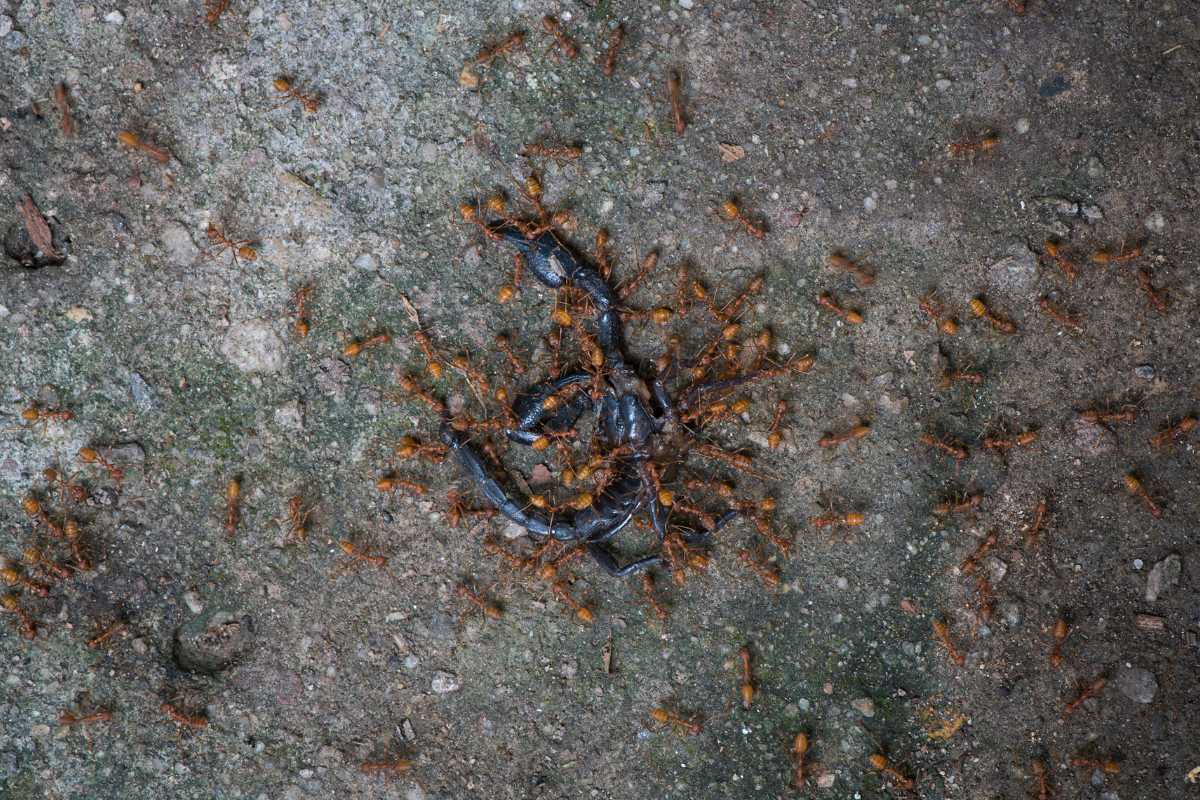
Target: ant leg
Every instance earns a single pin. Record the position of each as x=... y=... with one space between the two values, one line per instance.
x=606 y=560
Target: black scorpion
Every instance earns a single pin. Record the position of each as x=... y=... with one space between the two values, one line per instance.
x=631 y=416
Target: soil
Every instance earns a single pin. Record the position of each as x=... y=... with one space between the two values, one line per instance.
x=830 y=125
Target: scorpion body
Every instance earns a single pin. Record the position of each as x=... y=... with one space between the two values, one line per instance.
x=637 y=419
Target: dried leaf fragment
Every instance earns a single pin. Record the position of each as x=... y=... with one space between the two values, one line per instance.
x=731 y=152
x=35 y=224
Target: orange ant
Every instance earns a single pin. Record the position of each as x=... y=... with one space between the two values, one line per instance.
x=1038 y=768
x=214 y=9
x=666 y=717
x=489 y=609
x=409 y=447
x=356 y=346
x=1175 y=432
x=970 y=564
x=648 y=588
x=134 y=142
x=218 y=243
x=1055 y=313
x=1060 y=632
x=860 y=431
x=839 y=261
x=68 y=719
x=233 y=514
x=1106 y=765
x=881 y=763
x=409 y=385
x=183 y=718
x=775 y=438
x=393 y=483
x=766 y=572
x=1156 y=297
x=458 y=510
x=287 y=92
x=34 y=508
x=36 y=558
x=63 y=103
x=1104 y=256
x=826 y=301
x=582 y=612
x=1003 y=444
x=649 y=262
x=953 y=376
x=615 y=37
x=71 y=532
x=1056 y=254
x=941 y=633
x=300 y=299
x=554 y=28
x=987 y=599
x=964 y=147
x=947 y=325
x=10 y=604
x=358 y=554
x=297 y=517
x=68 y=489
x=980 y=309
x=734 y=213
x=1134 y=485
x=958 y=505
x=101 y=638
x=747 y=689
x=487 y=55
x=675 y=95
x=36 y=414
x=1035 y=527
x=397 y=766
x=1018 y=7
x=1086 y=691
x=15 y=578
x=1101 y=417
x=799 y=754
x=848 y=519
x=89 y=455
x=504 y=345
x=559 y=152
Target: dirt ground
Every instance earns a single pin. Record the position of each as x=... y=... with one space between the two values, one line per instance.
x=830 y=124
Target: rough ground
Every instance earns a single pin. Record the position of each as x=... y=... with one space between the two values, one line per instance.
x=845 y=114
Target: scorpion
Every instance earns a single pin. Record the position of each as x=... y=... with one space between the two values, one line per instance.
x=635 y=418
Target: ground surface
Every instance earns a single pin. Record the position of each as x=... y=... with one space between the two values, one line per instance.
x=191 y=366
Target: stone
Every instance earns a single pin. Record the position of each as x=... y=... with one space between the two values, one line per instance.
x=181 y=250
x=864 y=706
x=1144 y=371
x=445 y=682
x=1091 y=439
x=366 y=262
x=1017 y=271
x=78 y=314
x=253 y=347
x=6 y=25
x=143 y=395
x=1163 y=576
x=290 y=415
x=114 y=17
x=1138 y=684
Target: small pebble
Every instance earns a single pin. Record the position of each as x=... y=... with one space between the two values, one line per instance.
x=114 y=17
x=366 y=262
x=825 y=780
x=1138 y=684
x=942 y=85
x=193 y=602
x=1163 y=576
x=1022 y=126
x=1156 y=223
x=864 y=706
x=1144 y=371
x=6 y=25
x=687 y=5
x=870 y=203
x=445 y=682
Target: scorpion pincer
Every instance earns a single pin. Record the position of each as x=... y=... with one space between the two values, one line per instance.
x=626 y=418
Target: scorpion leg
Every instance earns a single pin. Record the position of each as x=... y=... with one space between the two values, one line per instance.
x=606 y=560
x=475 y=468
